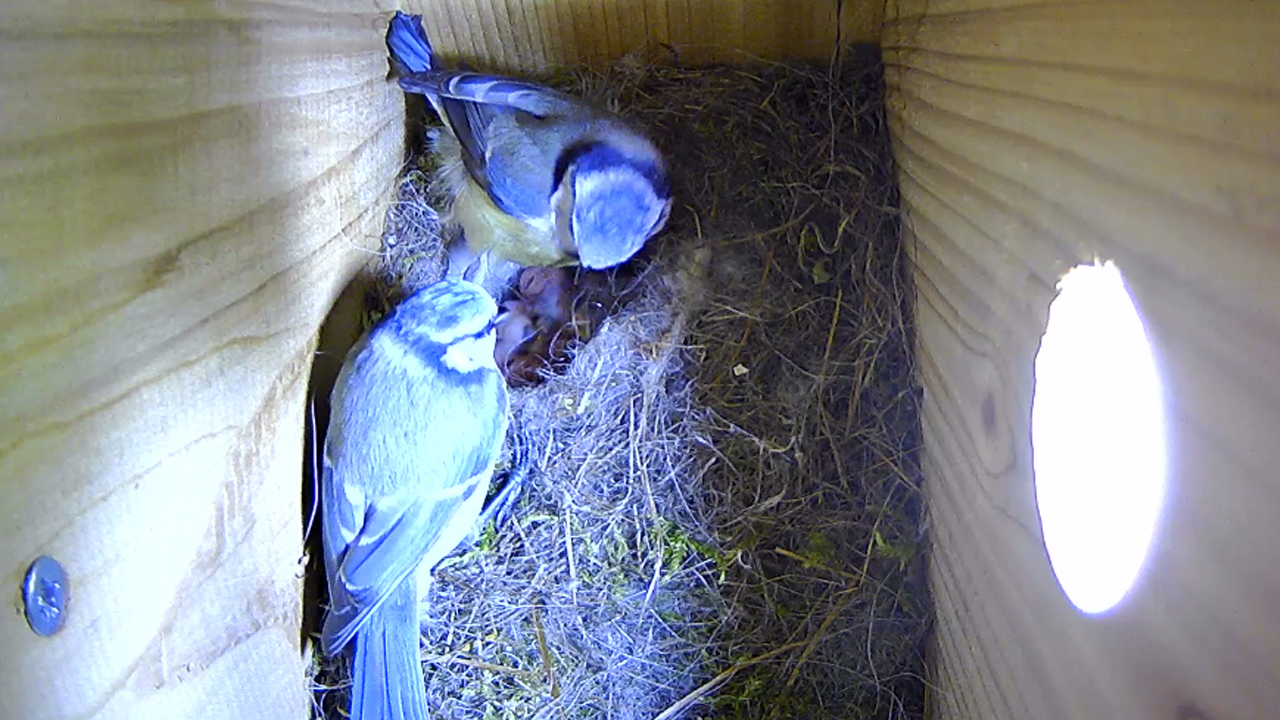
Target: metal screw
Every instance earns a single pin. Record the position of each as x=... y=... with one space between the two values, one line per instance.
x=44 y=596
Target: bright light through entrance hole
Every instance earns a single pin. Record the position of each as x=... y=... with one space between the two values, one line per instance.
x=1097 y=433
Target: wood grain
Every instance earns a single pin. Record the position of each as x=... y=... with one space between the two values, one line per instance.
x=1032 y=136
x=184 y=189
x=538 y=34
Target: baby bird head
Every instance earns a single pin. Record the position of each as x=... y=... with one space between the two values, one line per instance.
x=452 y=320
x=614 y=194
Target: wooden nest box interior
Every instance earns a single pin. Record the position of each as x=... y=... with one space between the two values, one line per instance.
x=187 y=188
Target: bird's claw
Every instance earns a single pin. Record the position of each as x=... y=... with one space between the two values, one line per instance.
x=498 y=507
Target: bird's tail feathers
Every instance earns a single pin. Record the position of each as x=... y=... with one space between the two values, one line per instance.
x=386 y=681
x=408 y=43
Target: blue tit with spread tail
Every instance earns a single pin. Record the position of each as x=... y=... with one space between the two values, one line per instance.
x=537 y=176
x=419 y=414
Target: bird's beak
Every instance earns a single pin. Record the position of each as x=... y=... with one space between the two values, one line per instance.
x=470 y=271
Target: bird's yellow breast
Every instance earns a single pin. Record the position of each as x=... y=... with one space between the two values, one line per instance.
x=488 y=228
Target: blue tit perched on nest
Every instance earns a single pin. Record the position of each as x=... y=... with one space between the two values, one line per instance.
x=536 y=176
x=419 y=415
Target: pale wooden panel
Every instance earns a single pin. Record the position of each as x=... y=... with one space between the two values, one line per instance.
x=1032 y=136
x=183 y=191
x=537 y=34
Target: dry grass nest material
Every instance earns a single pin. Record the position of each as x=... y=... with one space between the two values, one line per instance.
x=723 y=514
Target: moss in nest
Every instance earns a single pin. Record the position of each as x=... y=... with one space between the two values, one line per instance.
x=723 y=515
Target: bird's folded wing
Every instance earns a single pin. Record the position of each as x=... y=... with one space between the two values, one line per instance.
x=477 y=108
x=483 y=89
x=341 y=518
x=398 y=532
x=510 y=159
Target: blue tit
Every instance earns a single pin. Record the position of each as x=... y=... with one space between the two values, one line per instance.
x=536 y=176
x=418 y=418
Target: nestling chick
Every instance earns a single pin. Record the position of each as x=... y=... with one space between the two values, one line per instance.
x=554 y=310
x=514 y=329
x=535 y=176
x=419 y=414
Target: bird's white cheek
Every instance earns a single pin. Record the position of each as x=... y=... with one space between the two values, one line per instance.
x=470 y=354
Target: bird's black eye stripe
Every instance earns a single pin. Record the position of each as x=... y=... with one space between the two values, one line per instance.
x=488 y=328
x=479 y=334
x=568 y=156
x=599 y=156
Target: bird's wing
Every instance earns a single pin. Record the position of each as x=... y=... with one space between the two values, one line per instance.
x=398 y=532
x=492 y=92
x=342 y=508
x=510 y=132
x=398 y=471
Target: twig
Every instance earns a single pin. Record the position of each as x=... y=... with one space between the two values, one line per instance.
x=697 y=694
x=821 y=632
x=807 y=561
x=568 y=545
x=479 y=665
x=545 y=653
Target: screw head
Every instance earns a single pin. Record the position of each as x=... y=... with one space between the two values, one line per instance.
x=44 y=596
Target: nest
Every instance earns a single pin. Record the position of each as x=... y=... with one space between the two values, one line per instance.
x=723 y=512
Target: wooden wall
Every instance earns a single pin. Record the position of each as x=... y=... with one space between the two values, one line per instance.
x=542 y=33
x=1032 y=136
x=185 y=188
x=183 y=191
